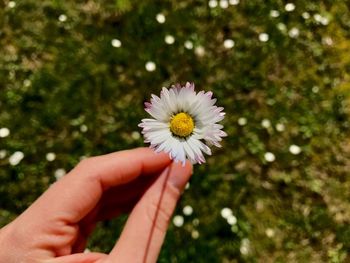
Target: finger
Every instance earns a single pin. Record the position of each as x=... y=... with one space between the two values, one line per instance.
x=78 y=192
x=146 y=227
x=79 y=258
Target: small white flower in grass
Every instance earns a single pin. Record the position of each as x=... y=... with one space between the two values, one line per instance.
x=83 y=128
x=294 y=149
x=226 y=212
x=294 y=32
x=289 y=7
x=269 y=232
x=274 y=13
x=16 y=158
x=229 y=43
x=188 y=44
x=315 y=89
x=178 y=221
x=224 y=4
x=27 y=83
x=184 y=123
x=187 y=210
x=11 y=4
x=213 y=3
x=231 y=220
x=116 y=43
x=321 y=19
x=3 y=154
x=282 y=27
x=324 y=21
x=269 y=157
x=195 y=222
x=327 y=41
x=62 y=18
x=135 y=135
x=59 y=173
x=242 y=121
x=50 y=157
x=245 y=246
x=199 y=51
x=150 y=66
x=263 y=37
x=187 y=186
x=4 y=132
x=318 y=18
x=233 y=2
x=195 y=234
x=169 y=39
x=306 y=15
x=160 y=18
x=266 y=123
x=280 y=127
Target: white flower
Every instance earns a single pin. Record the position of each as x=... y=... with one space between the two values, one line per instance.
x=16 y=158
x=12 y=4
x=229 y=43
x=269 y=232
x=269 y=157
x=160 y=18
x=169 y=39
x=245 y=246
x=50 y=157
x=3 y=154
x=213 y=3
x=263 y=37
x=195 y=234
x=150 y=66
x=62 y=18
x=294 y=149
x=233 y=2
x=289 y=7
x=4 y=132
x=274 y=13
x=280 y=127
x=306 y=15
x=178 y=221
x=59 y=173
x=231 y=220
x=188 y=44
x=224 y=4
x=116 y=43
x=242 y=121
x=266 y=123
x=187 y=210
x=199 y=51
x=226 y=212
x=294 y=32
x=182 y=120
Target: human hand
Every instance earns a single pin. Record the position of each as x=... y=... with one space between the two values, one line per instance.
x=56 y=226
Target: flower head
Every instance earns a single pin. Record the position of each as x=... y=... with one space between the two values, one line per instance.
x=184 y=123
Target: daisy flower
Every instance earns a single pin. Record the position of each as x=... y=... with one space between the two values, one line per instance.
x=184 y=123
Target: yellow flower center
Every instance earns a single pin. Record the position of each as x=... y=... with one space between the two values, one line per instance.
x=182 y=124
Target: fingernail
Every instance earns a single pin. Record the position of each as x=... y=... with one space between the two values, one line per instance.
x=179 y=175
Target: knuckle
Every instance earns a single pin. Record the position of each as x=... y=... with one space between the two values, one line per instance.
x=86 y=163
x=160 y=209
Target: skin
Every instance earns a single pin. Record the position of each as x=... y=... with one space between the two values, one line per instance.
x=56 y=226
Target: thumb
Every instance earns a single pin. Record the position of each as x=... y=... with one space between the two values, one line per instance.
x=146 y=227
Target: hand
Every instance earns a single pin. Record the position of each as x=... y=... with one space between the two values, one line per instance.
x=55 y=227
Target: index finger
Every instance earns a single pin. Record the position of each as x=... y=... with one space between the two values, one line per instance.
x=79 y=191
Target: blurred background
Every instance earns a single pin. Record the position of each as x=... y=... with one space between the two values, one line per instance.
x=74 y=76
